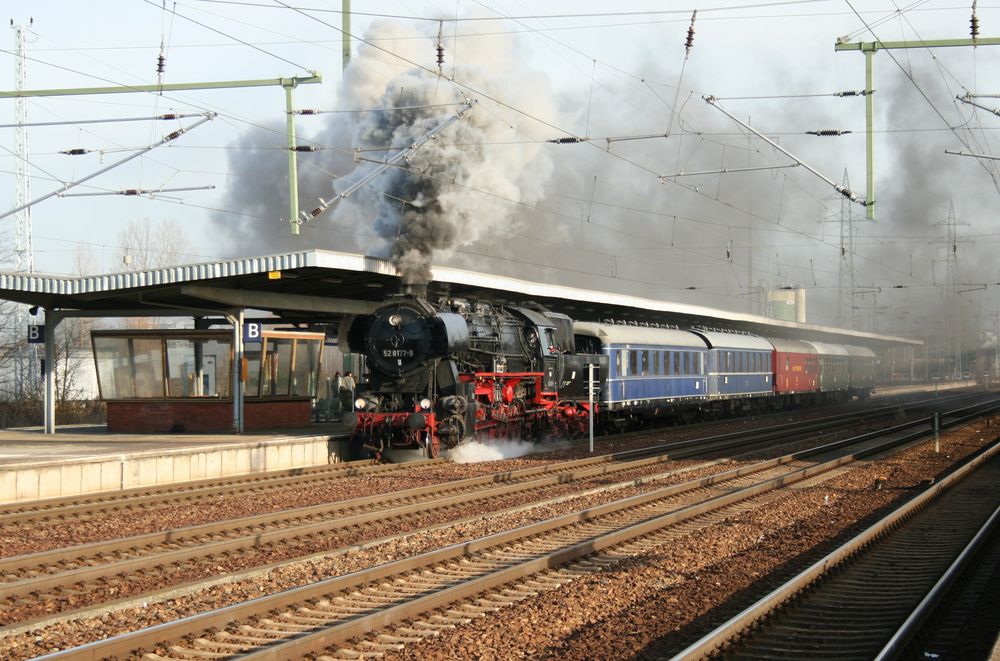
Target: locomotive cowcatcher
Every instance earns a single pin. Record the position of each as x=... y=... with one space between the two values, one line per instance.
x=442 y=374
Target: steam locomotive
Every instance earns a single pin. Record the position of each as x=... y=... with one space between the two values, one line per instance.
x=441 y=374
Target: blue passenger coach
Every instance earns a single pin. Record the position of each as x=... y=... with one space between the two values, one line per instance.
x=739 y=365
x=648 y=367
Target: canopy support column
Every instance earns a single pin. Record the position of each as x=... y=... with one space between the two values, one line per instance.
x=52 y=319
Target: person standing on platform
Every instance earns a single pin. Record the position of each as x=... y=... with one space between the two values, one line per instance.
x=347 y=386
x=336 y=404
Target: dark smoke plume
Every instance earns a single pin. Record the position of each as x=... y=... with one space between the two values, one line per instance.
x=446 y=194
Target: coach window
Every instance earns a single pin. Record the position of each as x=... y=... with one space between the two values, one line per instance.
x=618 y=362
x=633 y=362
x=656 y=362
x=645 y=362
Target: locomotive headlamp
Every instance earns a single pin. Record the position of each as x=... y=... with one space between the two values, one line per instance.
x=425 y=404
x=395 y=320
x=360 y=403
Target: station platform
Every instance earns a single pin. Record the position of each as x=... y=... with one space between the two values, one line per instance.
x=883 y=391
x=82 y=459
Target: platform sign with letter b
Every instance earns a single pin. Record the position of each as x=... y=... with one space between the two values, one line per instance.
x=36 y=333
x=252 y=332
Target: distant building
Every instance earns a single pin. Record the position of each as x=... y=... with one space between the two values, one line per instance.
x=787 y=304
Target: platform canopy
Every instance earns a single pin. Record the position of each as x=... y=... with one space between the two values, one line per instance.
x=321 y=286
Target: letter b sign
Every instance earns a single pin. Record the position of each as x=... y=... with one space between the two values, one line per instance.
x=36 y=333
x=252 y=332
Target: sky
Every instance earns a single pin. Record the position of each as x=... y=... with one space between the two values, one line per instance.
x=653 y=191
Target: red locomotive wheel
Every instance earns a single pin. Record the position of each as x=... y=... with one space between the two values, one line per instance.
x=434 y=447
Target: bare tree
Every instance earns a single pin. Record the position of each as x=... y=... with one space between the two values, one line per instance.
x=147 y=244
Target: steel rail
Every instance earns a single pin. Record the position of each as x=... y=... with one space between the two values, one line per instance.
x=96 y=503
x=906 y=632
x=385 y=504
x=45 y=581
x=245 y=533
x=313 y=643
x=727 y=632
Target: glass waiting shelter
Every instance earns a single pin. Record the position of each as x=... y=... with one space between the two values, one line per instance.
x=169 y=380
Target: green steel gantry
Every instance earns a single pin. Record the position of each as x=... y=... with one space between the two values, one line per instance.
x=288 y=83
x=869 y=48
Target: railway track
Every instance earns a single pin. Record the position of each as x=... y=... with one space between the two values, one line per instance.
x=72 y=579
x=190 y=493
x=31 y=585
x=332 y=612
x=871 y=596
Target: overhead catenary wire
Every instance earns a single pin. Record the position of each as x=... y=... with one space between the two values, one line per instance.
x=389 y=162
x=110 y=120
x=66 y=186
x=139 y=191
x=837 y=187
x=783 y=166
x=920 y=90
x=229 y=36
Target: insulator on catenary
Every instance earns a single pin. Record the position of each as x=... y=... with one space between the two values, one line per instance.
x=689 y=42
x=853 y=93
x=565 y=141
x=974 y=25
x=169 y=115
x=77 y=151
x=828 y=132
x=440 y=47
x=323 y=206
x=161 y=63
x=306 y=111
x=305 y=148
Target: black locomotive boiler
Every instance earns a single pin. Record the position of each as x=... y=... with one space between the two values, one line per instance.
x=441 y=374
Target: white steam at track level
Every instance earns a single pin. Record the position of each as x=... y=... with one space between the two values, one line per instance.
x=475 y=452
x=454 y=186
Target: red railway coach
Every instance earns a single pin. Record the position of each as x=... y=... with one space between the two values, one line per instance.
x=796 y=367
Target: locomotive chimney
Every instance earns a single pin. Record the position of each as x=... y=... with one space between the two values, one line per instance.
x=415 y=289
